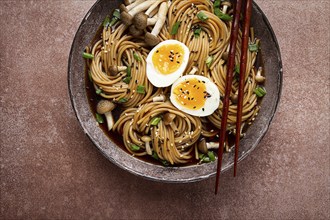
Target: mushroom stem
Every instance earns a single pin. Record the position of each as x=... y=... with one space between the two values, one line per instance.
x=114 y=70
x=153 y=6
x=160 y=98
x=128 y=2
x=225 y=7
x=151 y=38
x=161 y=19
x=110 y=121
x=193 y=71
x=212 y=145
x=146 y=140
x=127 y=17
x=259 y=77
x=204 y=146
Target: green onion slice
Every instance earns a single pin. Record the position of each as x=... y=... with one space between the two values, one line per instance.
x=122 y=100
x=197 y=32
x=260 y=91
x=140 y=89
x=253 y=47
x=87 y=55
x=127 y=79
x=135 y=147
x=137 y=57
x=175 y=28
x=99 y=118
x=106 y=22
x=209 y=61
x=98 y=91
x=154 y=121
x=211 y=155
x=221 y=15
x=128 y=70
x=202 y=16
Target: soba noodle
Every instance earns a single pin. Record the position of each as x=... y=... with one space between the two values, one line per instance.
x=117 y=47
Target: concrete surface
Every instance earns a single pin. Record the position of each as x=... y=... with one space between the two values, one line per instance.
x=50 y=170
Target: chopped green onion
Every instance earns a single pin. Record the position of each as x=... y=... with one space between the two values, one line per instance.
x=99 y=118
x=90 y=76
x=122 y=100
x=128 y=70
x=106 y=22
x=221 y=15
x=87 y=55
x=209 y=61
x=115 y=17
x=260 y=91
x=154 y=121
x=137 y=57
x=165 y=163
x=154 y=155
x=135 y=147
x=98 y=91
x=253 y=47
x=237 y=69
x=127 y=79
x=201 y=16
x=197 y=32
x=175 y=28
x=116 y=13
x=211 y=155
x=217 y=3
x=206 y=159
x=140 y=89
x=201 y=156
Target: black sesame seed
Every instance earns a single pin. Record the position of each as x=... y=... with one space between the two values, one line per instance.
x=203 y=109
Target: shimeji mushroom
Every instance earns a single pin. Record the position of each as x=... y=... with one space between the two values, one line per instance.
x=127 y=16
x=193 y=70
x=204 y=146
x=259 y=77
x=159 y=98
x=128 y=7
x=234 y=98
x=152 y=38
x=114 y=70
x=225 y=6
x=146 y=140
x=128 y=2
x=134 y=31
x=105 y=107
x=142 y=19
x=169 y=120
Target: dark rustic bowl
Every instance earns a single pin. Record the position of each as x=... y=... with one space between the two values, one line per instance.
x=273 y=69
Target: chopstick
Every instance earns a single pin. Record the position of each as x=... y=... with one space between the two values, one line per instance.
x=245 y=41
x=228 y=87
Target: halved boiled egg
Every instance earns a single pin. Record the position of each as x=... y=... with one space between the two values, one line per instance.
x=195 y=95
x=166 y=62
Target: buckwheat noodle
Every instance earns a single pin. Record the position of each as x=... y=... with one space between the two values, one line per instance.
x=117 y=47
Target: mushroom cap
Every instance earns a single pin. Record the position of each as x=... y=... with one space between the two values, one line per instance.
x=168 y=118
x=127 y=2
x=113 y=70
x=122 y=7
x=146 y=138
x=202 y=146
x=126 y=18
x=234 y=98
x=104 y=106
x=151 y=39
x=140 y=20
x=134 y=31
x=226 y=3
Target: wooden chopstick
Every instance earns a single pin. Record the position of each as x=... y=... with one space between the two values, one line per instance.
x=229 y=80
x=244 y=46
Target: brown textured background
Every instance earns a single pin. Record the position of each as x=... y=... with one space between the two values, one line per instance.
x=50 y=170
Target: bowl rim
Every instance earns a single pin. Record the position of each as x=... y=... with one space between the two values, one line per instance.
x=137 y=166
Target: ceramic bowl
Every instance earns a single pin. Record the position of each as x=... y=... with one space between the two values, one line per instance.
x=272 y=67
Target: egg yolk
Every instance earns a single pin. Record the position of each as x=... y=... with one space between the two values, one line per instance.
x=168 y=58
x=191 y=94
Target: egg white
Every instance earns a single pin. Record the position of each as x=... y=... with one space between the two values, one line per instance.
x=211 y=103
x=163 y=80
